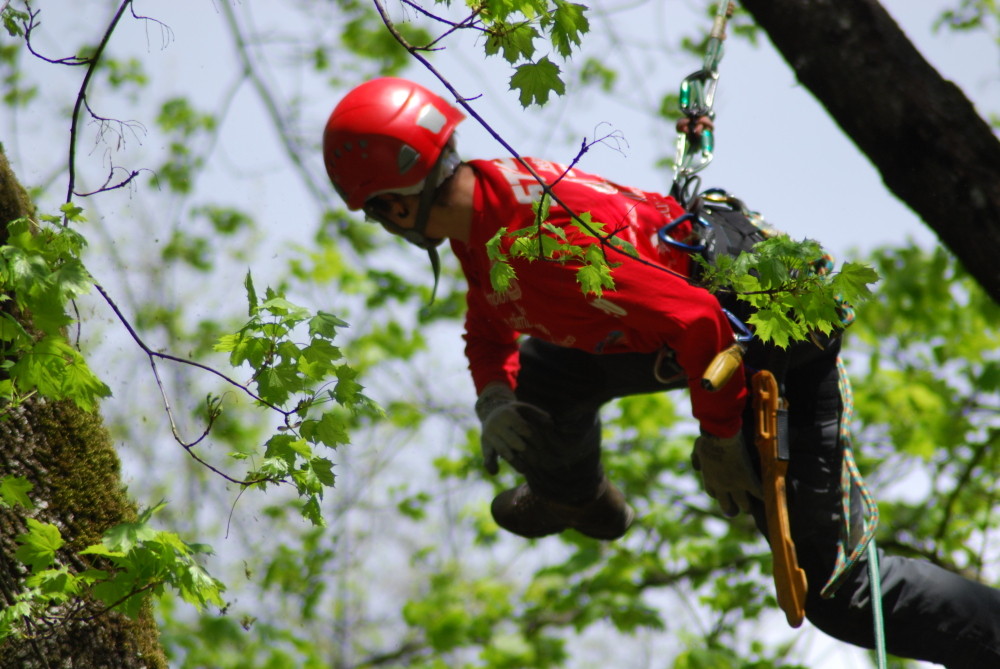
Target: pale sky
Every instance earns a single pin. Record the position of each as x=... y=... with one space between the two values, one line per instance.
x=804 y=175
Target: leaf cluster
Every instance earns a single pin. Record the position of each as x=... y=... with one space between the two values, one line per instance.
x=307 y=382
x=790 y=287
x=579 y=244
x=133 y=563
x=40 y=274
x=514 y=29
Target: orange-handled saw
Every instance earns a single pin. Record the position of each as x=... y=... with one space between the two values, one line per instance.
x=772 y=445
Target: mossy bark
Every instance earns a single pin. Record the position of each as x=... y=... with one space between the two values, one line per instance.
x=67 y=454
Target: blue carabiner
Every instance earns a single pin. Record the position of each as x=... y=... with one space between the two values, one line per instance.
x=664 y=236
x=741 y=331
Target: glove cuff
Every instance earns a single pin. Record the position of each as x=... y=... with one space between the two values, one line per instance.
x=494 y=396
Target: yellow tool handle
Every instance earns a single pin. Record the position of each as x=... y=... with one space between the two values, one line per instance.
x=722 y=367
x=789 y=578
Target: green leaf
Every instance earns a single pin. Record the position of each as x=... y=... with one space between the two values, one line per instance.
x=12 y=331
x=585 y=224
x=626 y=247
x=852 y=281
x=329 y=430
x=325 y=324
x=56 y=585
x=541 y=208
x=58 y=371
x=38 y=545
x=279 y=306
x=312 y=511
x=494 y=247
x=123 y=537
x=101 y=550
x=501 y=274
x=245 y=348
x=569 y=23
x=347 y=389
x=121 y=590
x=517 y=41
x=525 y=247
x=251 y=294
x=197 y=587
x=276 y=384
x=594 y=279
x=536 y=81
x=14 y=492
x=13 y=21
x=323 y=470
x=772 y=326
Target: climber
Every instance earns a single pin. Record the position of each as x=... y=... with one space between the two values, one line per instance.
x=545 y=356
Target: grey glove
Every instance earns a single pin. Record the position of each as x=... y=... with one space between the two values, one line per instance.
x=726 y=472
x=509 y=427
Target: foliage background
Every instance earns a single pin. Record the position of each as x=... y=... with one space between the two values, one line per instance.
x=223 y=105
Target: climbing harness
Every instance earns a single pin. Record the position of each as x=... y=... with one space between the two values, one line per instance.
x=694 y=151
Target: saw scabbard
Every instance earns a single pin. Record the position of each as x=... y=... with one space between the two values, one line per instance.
x=772 y=441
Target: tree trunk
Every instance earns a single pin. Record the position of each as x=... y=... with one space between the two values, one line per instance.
x=932 y=148
x=67 y=454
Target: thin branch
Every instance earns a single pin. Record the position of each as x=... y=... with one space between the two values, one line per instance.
x=81 y=97
x=407 y=650
x=166 y=32
x=29 y=26
x=293 y=150
x=959 y=485
x=469 y=23
x=153 y=356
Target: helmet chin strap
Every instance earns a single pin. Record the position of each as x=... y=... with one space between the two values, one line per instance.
x=423 y=241
x=417 y=234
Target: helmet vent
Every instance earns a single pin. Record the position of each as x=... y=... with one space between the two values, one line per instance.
x=407 y=158
x=431 y=119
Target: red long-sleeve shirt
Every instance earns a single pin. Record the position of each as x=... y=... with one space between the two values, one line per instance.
x=648 y=308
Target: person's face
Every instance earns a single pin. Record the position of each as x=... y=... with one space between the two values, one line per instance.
x=398 y=210
x=398 y=214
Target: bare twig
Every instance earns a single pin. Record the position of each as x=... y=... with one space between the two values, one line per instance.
x=166 y=32
x=188 y=446
x=293 y=150
x=81 y=97
x=30 y=25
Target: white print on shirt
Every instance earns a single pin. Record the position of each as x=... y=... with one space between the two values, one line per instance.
x=512 y=293
x=526 y=188
x=522 y=323
x=608 y=307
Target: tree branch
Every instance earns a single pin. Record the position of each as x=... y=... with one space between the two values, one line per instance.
x=152 y=356
x=81 y=97
x=920 y=131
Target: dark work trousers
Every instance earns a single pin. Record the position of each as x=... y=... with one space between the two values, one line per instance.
x=930 y=613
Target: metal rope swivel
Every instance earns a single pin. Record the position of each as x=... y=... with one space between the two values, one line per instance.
x=696 y=145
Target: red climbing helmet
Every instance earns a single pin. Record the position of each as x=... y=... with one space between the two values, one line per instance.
x=385 y=136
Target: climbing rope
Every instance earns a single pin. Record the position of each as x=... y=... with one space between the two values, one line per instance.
x=851 y=478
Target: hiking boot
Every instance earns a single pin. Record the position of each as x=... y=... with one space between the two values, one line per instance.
x=524 y=513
